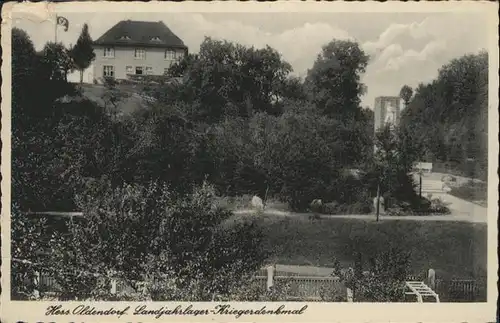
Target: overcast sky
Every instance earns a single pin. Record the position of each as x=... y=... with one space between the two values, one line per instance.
x=404 y=48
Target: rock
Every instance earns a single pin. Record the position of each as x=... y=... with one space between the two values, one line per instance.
x=316 y=205
x=257 y=203
x=317 y=202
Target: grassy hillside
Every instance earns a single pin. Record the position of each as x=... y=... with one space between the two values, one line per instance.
x=132 y=102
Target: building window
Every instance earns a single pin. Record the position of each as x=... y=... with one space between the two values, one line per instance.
x=124 y=38
x=149 y=70
x=108 y=71
x=170 y=54
x=109 y=52
x=130 y=70
x=139 y=70
x=156 y=39
x=139 y=53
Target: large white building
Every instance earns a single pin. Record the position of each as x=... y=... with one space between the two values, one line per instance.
x=136 y=48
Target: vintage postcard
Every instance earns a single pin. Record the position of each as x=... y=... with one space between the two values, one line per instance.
x=252 y=162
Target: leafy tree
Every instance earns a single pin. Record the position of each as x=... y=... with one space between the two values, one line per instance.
x=448 y=116
x=56 y=61
x=166 y=148
x=406 y=93
x=23 y=55
x=230 y=79
x=390 y=170
x=83 y=52
x=334 y=80
x=34 y=118
x=91 y=144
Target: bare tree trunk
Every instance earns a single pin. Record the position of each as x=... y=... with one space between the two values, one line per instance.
x=420 y=193
x=265 y=196
x=81 y=76
x=378 y=201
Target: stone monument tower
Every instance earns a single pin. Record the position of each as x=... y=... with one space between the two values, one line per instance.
x=387 y=110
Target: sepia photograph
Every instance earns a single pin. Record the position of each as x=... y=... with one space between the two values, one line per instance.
x=249 y=156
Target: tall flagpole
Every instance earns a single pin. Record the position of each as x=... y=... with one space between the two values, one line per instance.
x=55 y=30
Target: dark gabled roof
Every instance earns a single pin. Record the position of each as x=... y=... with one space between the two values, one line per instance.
x=140 y=33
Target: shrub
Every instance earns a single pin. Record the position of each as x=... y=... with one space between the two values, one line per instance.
x=397 y=211
x=361 y=207
x=333 y=293
x=251 y=290
x=280 y=290
x=331 y=208
x=421 y=206
x=175 y=244
x=384 y=281
x=26 y=241
x=439 y=207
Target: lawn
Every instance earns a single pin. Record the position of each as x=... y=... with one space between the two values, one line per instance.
x=456 y=250
x=95 y=92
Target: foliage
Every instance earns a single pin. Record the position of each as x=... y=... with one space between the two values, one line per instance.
x=230 y=79
x=56 y=61
x=177 y=245
x=384 y=281
x=296 y=156
x=34 y=118
x=391 y=167
x=24 y=60
x=83 y=52
x=168 y=147
x=26 y=241
x=361 y=207
x=439 y=207
x=113 y=96
x=448 y=117
x=406 y=93
x=334 y=80
x=92 y=144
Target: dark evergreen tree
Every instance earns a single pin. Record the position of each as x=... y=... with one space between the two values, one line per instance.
x=83 y=52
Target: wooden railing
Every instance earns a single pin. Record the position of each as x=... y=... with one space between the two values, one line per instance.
x=308 y=288
x=458 y=290
x=303 y=287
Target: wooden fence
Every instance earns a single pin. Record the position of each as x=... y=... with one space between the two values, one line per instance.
x=305 y=288
x=312 y=288
x=460 y=291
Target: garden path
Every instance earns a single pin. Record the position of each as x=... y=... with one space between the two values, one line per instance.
x=457 y=217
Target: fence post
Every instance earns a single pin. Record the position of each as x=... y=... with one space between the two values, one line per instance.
x=113 y=286
x=350 y=297
x=37 y=283
x=270 y=275
x=431 y=279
